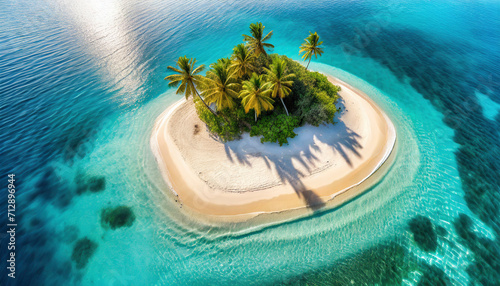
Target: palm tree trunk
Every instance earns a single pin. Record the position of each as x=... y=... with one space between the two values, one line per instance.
x=255 y=116
x=213 y=112
x=205 y=102
x=308 y=62
x=284 y=106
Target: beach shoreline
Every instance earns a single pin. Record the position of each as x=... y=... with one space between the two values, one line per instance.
x=323 y=167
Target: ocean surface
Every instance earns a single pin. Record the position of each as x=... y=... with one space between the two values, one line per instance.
x=81 y=84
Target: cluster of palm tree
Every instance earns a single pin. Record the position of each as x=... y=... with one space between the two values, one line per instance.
x=234 y=78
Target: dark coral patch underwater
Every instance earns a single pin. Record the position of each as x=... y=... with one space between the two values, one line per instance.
x=82 y=252
x=121 y=216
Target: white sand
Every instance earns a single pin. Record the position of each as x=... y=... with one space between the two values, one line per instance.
x=240 y=179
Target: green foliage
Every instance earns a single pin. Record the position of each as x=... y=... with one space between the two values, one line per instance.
x=220 y=86
x=311 y=47
x=256 y=42
x=217 y=125
x=186 y=76
x=255 y=94
x=242 y=61
x=117 y=217
x=82 y=251
x=279 y=80
x=261 y=62
x=308 y=97
x=313 y=96
x=275 y=128
x=311 y=101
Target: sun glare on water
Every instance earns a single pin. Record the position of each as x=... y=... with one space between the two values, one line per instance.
x=103 y=27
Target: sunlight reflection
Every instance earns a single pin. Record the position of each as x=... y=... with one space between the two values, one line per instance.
x=104 y=31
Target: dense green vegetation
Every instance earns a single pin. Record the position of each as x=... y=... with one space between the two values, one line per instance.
x=275 y=128
x=265 y=95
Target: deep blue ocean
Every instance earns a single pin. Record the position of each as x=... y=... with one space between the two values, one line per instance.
x=81 y=84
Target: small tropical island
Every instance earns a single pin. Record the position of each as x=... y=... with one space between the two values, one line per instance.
x=260 y=133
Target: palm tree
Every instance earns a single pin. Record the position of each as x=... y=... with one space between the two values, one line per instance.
x=278 y=79
x=311 y=47
x=187 y=76
x=221 y=85
x=256 y=41
x=242 y=60
x=255 y=95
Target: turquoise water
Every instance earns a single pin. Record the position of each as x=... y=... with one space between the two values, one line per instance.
x=81 y=84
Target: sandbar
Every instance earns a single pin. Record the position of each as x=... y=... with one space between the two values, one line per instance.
x=238 y=180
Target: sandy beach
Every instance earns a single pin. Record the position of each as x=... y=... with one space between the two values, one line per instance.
x=322 y=166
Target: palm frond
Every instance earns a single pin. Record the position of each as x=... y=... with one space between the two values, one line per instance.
x=310 y=47
x=198 y=69
x=174 y=69
x=268 y=36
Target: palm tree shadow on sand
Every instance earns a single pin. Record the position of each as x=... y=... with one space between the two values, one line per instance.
x=338 y=137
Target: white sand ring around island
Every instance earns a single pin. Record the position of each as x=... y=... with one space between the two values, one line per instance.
x=238 y=180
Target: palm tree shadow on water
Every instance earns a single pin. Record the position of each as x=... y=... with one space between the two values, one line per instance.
x=340 y=138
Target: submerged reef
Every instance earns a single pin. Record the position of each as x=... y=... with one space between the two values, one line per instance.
x=52 y=188
x=449 y=83
x=485 y=267
x=423 y=233
x=94 y=184
x=383 y=264
x=82 y=251
x=433 y=276
x=117 y=217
